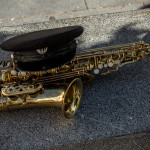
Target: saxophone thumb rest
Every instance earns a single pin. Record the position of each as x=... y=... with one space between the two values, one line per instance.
x=46 y=70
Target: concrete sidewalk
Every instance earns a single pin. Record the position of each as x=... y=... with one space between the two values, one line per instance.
x=16 y=12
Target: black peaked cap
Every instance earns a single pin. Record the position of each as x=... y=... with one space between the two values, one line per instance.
x=43 y=62
x=51 y=38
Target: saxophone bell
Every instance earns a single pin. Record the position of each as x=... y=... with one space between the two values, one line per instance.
x=65 y=97
x=72 y=98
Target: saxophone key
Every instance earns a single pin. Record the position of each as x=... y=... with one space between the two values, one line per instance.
x=96 y=71
x=13 y=72
x=105 y=65
x=117 y=62
x=110 y=64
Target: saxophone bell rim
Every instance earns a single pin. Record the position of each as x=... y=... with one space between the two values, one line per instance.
x=73 y=94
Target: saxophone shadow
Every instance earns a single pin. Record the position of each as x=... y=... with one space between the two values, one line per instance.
x=126 y=34
x=146 y=6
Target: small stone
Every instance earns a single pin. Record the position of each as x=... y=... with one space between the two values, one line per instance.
x=52 y=18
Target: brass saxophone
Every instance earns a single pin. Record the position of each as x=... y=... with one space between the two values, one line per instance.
x=63 y=86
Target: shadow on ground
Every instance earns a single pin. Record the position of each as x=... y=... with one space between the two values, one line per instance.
x=127 y=34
